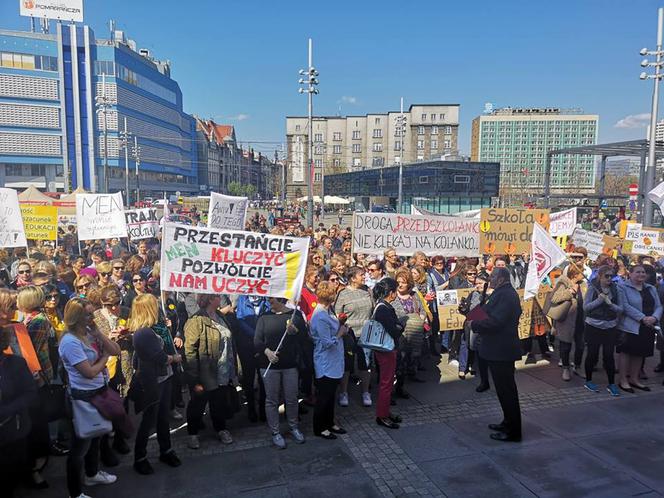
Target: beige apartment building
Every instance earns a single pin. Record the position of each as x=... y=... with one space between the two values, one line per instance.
x=351 y=143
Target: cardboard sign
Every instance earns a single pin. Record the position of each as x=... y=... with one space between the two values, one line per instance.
x=209 y=261
x=526 y=319
x=592 y=241
x=40 y=222
x=448 y=308
x=643 y=240
x=100 y=216
x=143 y=223
x=227 y=211
x=12 y=233
x=202 y=204
x=444 y=235
x=509 y=231
x=562 y=223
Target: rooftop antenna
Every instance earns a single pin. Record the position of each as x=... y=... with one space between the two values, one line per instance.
x=111 y=26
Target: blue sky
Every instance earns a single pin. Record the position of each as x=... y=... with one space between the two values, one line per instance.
x=238 y=61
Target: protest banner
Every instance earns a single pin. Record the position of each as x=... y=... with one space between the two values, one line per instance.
x=227 y=211
x=643 y=240
x=448 y=308
x=562 y=222
x=593 y=242
x=444 y=235
x=40 y=222
x=526 y=318
x=143 y=223
x=199 y=204
x=100 y=216
x=12 y=233
x=509 y=231
x=210 y=261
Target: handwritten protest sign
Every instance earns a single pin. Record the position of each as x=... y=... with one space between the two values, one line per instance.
x=448 y=308
x=143 y=223
x=12 y=233
x=227 y=211
x=40 y=222
x=443 y=235
x=526 y=319
x=643 y=240
x=562 y=223
x=210 y=261
x=541 y=323
x=100 y=216
x=509 y=231
x=592 y=241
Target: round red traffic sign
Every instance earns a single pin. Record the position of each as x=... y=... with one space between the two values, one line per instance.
x=633 y=189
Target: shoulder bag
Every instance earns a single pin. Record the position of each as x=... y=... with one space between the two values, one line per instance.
x=557 y=312
x=88 y=422
x=375 y=337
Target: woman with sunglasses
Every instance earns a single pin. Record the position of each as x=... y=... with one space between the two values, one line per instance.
x=602 y=306
x=104 y=272
x=138 y=288
x=83 y=284
x=23 y=275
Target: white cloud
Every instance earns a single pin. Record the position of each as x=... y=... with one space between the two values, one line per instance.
x=634 y=121
x=239 y=117
x=346 y=99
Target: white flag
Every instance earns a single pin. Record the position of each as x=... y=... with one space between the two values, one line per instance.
x=657 y=195
x=545 y=255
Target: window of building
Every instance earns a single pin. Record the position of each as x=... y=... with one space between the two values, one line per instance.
x=377 y=161
x=377 y=121
x=377 y=133
x=357 y=148
x=336 y=163
x=318 y=163
x=297 y=127
x=447 y=144
x=433 y=116
x=448 y=130
x=377 y=147
x=356 y=134
x=357 y=162
x=420 y=144
x=318 y=137
x=318 y=149
x=424 y=117
x=397 y=132
x=424 y=179
x=420 y=158
x=336 y=136
x=420 y=130
x=336 y=149
x=434 y=144
x=397 y=145
x=461 y=179
x=317 y=177
x=434 y=130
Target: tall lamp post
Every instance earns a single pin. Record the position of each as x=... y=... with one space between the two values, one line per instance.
x=136 y=154
x=310 y=89
x=125 y=137
x=649 y=208
x=401 y=126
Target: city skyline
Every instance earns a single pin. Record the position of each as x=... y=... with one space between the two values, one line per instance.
x=238 y=64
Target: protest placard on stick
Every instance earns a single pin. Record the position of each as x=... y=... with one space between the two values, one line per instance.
x=40 y=222
x=509 y=231
x=100 y=216
x=142 y=223
x=12 y=233
x=227 y=211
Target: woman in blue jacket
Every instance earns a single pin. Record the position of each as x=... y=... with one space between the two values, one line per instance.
x=642 y=311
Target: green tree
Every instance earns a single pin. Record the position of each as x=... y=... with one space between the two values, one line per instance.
x=235 y=188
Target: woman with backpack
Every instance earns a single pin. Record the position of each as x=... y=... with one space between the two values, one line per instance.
x=385 y=292
x=567 y=308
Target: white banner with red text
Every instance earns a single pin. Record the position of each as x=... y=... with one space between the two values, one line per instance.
x=210 y=261
x=433 y=234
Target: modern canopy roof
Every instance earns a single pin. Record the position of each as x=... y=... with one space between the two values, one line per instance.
x=628 y=148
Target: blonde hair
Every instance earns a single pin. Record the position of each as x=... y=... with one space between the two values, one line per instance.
x=144 y=312
x=156 y=270
x=7 y=301
x=103 y=266
x=85 y=279
x=46 y=267
x=75 y=313
x=326 y=293
x=110 y=294
x=30 y=298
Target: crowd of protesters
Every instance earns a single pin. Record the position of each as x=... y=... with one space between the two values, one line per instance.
x=86 y=326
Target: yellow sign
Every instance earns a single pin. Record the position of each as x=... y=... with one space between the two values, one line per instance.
x=509 y=231
x=40 y=222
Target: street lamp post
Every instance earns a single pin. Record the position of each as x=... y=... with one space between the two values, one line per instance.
x=102 y=103
x=401 y=126
x=136 y=153
x=310 y=89
x=649 y=207
x=124 y=142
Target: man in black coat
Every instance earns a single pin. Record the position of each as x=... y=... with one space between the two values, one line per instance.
x=500 y=347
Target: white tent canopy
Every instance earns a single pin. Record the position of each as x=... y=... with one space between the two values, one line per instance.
x=333 y=199
x=306 y=198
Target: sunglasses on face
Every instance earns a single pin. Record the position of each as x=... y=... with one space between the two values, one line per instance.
x=104 y=274
x=471 y=274
x=374 y=269
x=119 y=268
x=83 y=286
x=24 y=272
x=334 y=280
x=137 y=281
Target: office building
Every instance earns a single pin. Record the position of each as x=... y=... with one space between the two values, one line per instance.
x=519 y=139
x=52 y=126
x=438 y=186
x=351 y=143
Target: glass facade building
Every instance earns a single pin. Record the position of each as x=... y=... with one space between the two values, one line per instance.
x=52 y=128
x=438 y=186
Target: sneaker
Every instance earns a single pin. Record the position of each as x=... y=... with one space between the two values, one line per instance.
x=613 y=390
x=176 y=415
x=343 y=399
x=100 y=477
x=567 y=376
x=225 y=437
x=193 y=443
x=170 y=459
x=143 y=467
x=297 y=435
x=591 y=386
x=366 y=399
x=278 y=441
